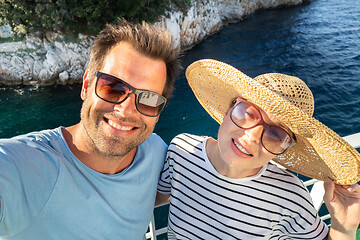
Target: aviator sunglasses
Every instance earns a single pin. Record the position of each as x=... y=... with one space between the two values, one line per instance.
x=274 y=139
x=114 y=90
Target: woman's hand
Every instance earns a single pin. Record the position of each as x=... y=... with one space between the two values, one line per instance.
x=343 y=204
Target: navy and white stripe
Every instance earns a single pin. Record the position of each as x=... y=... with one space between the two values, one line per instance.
x=274 y=204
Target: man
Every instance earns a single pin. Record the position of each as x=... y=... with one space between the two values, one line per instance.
x=96 y=179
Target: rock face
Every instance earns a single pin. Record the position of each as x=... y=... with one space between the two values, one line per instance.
x=206 y=17
x=43 y=62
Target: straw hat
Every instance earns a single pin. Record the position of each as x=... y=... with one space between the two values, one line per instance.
x=319 y=152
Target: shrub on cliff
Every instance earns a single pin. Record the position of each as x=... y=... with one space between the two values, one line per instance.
x=74 y=16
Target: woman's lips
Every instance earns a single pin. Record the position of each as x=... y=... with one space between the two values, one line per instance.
x=241 y=148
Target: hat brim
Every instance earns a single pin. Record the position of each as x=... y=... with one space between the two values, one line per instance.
x=319 y=152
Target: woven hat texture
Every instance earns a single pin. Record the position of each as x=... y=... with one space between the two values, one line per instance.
x=319 y=152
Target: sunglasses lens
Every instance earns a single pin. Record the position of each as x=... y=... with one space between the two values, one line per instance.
x=110 y=89
x=276 y=140
x=245 y=115
x=115 y=90
x=150 y=103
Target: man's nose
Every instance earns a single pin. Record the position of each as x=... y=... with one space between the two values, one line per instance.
x=127 y=106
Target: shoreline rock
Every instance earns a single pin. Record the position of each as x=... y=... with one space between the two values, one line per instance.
x=45 y=62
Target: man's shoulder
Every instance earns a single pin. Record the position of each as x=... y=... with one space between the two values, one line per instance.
x=33 y=141
x=33 y=136
x=155 y=139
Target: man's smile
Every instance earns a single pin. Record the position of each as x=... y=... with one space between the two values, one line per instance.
x=118 y=126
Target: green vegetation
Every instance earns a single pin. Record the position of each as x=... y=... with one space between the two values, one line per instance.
x=78 y=16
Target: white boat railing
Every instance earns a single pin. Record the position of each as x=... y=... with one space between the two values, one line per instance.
x=316 y=193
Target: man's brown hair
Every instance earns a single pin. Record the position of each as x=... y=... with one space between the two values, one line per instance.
x=147 y=39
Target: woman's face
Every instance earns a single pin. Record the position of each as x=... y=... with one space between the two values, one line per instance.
x=242 y=148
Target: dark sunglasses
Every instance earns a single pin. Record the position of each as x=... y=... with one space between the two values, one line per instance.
x=274 y=139
x=114 y=90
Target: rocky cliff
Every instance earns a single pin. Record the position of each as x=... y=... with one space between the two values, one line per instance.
x=35 y=61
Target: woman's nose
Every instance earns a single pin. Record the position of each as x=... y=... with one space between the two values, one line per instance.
x=255 y=133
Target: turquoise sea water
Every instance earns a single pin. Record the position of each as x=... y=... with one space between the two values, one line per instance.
x=318 y=42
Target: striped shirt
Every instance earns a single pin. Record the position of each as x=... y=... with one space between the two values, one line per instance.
x=273 y=204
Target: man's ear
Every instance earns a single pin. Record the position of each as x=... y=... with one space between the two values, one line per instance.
x=85 y=84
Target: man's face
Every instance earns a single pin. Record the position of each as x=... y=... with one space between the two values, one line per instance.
x=116 y=129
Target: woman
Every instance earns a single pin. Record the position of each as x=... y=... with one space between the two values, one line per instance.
x=228 y=189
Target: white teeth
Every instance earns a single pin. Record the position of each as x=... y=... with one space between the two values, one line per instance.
x=241 y=148
x=119 y=127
